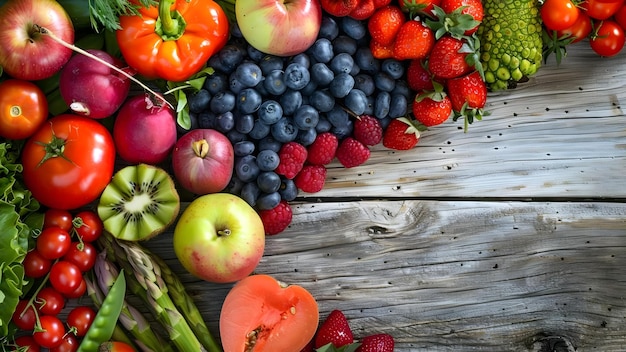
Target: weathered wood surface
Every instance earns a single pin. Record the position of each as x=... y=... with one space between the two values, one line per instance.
x=510 y=237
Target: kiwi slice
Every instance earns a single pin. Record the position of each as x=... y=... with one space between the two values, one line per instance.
x=139 y=203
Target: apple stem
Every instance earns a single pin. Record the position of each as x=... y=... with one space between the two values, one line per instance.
x=46 y=31
x=225 y=232
x=200 y=148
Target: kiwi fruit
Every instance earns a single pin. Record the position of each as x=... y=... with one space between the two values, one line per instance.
x=139 y=203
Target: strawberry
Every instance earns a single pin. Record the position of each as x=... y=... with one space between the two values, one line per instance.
x=367 y=130
x=385 y=23
x=468 y=95
x=432 y=108
x=352 y=153
x=401 y=134
x=380 y=51
x=364 y=10
x=473 y=8
x=448 y=58
x=415 y=7
x=277 y=219
x=413 y=41
x=417 y=76
x=339 y=8
x=376 y=343
x=335 y=330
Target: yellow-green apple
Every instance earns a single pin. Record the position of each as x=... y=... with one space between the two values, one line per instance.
x=279 y=27
x=203 y=161
x=219 y=238
x=27 y=53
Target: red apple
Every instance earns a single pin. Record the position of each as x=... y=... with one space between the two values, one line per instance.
x=203 y=161
x=25 y=53
x=279 y=27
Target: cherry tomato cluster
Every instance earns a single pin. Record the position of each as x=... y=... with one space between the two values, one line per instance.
x=603 y=22
x=63 y=252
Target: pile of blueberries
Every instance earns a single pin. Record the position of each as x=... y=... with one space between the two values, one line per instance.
x=261 y=101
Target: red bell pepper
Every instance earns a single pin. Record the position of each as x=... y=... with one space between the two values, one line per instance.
x=173 y=40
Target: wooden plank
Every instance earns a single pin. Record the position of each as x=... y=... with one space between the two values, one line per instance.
x=453 y=276
x=560 y=135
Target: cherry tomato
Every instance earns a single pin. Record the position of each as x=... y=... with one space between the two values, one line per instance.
x=559 y=14
x=69 y=344
x=116 y=346
x=51 y=333
x=24 y=316
x=601 y=10
x=79 y=291
x=580 y=30
x=27 y=344
x=65 y=277
x=620 y=17
x=79 y=320
x=35 y=265
x=608 y=40
x=88 y=225
x=83 y=254
x=79 y=169
x=49 y=301
x=23 y=108
x=53 y=242
x=59 y=218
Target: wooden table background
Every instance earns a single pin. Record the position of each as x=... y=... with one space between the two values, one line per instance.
x=510 y=237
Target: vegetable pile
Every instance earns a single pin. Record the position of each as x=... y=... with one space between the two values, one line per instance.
x=121 y=120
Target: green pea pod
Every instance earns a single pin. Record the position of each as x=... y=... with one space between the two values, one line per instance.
x=105 y=321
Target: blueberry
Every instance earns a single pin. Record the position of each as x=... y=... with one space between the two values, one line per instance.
x=382 y=105
x=267 y=160
x=323 y=125
x=369 y=109
x=215 y=62
x=322 y=50
x=344 y=44
x=222 y=102
x=225 y=122
x=270 y=63
x=244 y=123
x=356 y=101
x=329 y=28
x=354 y=28
x=193 y=124
x=268 y=181
x=246 y=168
x=366 y=61
x=343 y=131
x=259 y=130
x=274 y=82
x=217 y=82
x=393 y=68
x=234 y=84
x=365 y=83
x=288 y=190
x=248 y=101
x=267 y=201
x=402 y=88
x=399 y=105
x=306 y=117
x=384 y=81
x=302 y=59
x=284 y=130
x=290 y=101
x=269 y=143
x=342 y=63
x=296 y=76
x=235 y=31
x=254 y=54
x=234 y=185
x=321 y=74
x=249 y=74
x=322 y=100
x=244 y=148
x=250 y=192
x=230 y=57
x=355 y=70
x=338 y=116
x=206 y=119
x=235 y=136
x=308 y=90
x=306 y=137
x=341 y=85
x=270 y=112
x=200 y=101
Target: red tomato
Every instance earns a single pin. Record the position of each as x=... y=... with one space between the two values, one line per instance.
x=280 y=317
x=620 y=17
x=116 y=346
x=608 y=40
x=88 y=225
x=59 y=218
x=79 y=320
x=82 y=254
x=53 y=242
x=24 y=316
x=79 y=291
x=27 y=344
x=49 y=301
x=51 y=333
x=82 y=168
x=23 y=108
x=35 y=265
x=559 y=14
x=601 y=10
x=580 y=30
x=65 y=277
x=69 y=344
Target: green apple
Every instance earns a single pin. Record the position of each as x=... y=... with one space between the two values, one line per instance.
x=279 y=27
x=219 y=238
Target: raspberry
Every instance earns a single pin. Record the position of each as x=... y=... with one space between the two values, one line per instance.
x=368 y=130
x=322 y=150
x=277 y=219
x=311 y=178
x=351 y=152
x=292 y=157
